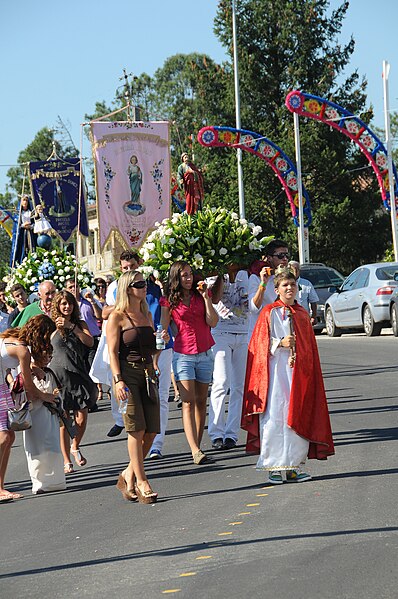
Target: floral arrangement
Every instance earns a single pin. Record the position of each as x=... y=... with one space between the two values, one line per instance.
x=55 y=265
x=210 y=240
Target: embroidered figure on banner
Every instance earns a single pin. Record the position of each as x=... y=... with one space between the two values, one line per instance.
x=134 y=207
x=61 y=206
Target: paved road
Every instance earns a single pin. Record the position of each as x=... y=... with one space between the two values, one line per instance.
x=220 y=530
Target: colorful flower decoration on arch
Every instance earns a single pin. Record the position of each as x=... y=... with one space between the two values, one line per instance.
x=265 y=149
x=354 y=128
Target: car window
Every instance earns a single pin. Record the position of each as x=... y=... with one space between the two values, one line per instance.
x=351 y=280
x=362 y=280
x=386 y=273
x=322 y=277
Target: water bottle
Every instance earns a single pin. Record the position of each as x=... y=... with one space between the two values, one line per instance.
x=123 y=403
x=160 y=343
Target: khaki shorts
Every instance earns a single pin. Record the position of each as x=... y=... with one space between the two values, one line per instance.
x=143 y=414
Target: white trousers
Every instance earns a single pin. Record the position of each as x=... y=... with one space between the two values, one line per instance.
x=164 y=362
x=230 y=354
x=116 y=415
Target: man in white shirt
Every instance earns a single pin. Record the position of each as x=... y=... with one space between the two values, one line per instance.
x=261 y=286
x=306 y=294
x=230 y=300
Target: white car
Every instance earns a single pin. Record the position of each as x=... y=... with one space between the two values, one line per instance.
x=363 y=300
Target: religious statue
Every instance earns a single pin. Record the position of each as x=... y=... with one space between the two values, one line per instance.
x=24 y=240
x=190 y=178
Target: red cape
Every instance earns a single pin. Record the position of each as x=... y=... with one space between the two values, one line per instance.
x=308 y=411
x=193 y=188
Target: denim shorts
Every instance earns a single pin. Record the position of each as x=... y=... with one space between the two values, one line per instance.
x=193 y=367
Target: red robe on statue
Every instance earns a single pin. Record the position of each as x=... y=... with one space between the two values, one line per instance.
x=193 y=188
x=308 y=411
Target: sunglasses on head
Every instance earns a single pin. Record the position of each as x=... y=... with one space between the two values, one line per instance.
x=282 y=255
x=138 y=284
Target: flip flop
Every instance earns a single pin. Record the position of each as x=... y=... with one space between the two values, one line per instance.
x=12 y=495
x=79 y=459
x=6 y=498
x=68 y=468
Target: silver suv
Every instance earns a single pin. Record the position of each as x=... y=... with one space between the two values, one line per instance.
x=322 y=277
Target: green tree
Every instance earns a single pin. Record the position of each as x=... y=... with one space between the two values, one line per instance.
x=39 y=149
x=294 y=44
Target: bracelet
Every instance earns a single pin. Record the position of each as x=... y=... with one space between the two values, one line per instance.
x=117 y=378
x=263 y=285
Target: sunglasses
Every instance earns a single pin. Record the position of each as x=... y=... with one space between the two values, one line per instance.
x=138 y=284
x=282 y=255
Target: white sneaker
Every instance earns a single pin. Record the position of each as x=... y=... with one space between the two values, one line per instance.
x=155 y=454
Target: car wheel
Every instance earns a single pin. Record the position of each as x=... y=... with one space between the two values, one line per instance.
x=330 y=325
x=394 y=319
x=371 y=328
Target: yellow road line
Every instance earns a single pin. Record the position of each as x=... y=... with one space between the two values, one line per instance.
x=244 y=513
x=235 y=523
x=221 y=534
x=204 y=557
x=251 y=504
x=171 y=591
x=262 y=495
x=188 y=574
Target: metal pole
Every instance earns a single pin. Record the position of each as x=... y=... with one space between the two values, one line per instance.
x=237 y=111
x=386 y=72
x=303 y=255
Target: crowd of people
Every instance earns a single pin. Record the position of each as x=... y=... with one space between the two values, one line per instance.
x=247 y=333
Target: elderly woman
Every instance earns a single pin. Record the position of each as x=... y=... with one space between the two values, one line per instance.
x=71 y=341
x=192 y=311
x=133 y=360
x=14 y=353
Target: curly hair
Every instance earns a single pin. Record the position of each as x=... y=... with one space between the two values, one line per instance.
x=36 y=334
x=55 y=311
x=174 y=287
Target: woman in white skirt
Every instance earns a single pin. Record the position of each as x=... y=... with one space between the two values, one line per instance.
x=42 y=441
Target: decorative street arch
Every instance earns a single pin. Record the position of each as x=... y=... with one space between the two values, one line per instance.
x=265 y=149
x=339 y=118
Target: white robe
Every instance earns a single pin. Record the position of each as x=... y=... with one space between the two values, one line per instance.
x=281 y=448
x=42 y=444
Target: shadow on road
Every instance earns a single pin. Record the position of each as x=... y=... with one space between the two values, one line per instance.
x=185 y=549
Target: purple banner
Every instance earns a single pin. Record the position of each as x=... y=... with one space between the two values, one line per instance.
x=55 y=185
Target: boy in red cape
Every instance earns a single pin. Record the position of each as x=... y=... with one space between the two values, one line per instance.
x=284 y=405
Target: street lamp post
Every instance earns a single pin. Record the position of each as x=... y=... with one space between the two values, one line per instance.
x=386 y=72
x=237 y=111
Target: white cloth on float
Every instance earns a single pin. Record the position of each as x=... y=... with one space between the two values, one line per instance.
x=42 y=444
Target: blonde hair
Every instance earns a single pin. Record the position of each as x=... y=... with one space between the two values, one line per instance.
x=122 y=298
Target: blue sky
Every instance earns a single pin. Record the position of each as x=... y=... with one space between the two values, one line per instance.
x=60 y=58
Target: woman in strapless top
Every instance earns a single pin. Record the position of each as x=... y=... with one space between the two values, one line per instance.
x=133 y=356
